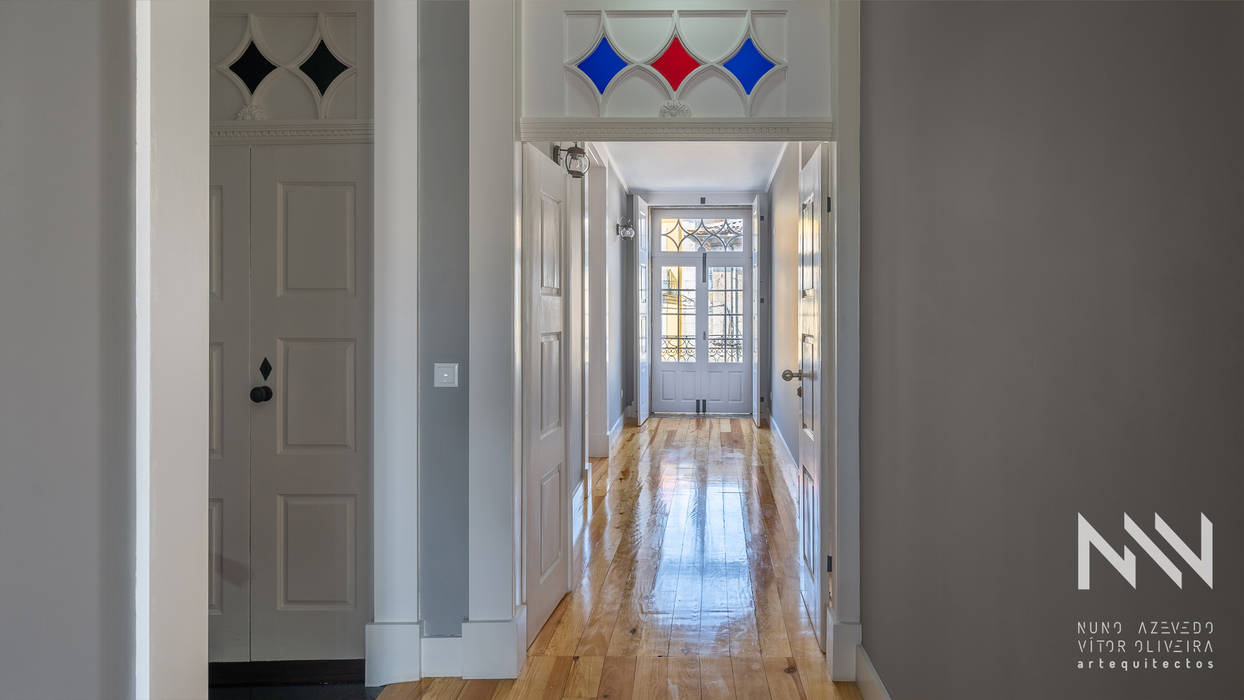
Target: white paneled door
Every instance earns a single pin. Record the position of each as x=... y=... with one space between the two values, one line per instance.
x=546 y=497
x=301 y=394
x=229 y=433
x=702 y=270
x=813 y=443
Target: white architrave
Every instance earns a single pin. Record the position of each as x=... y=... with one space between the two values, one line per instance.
x=394 y=638
x=171 y=325
x=844 y=631
x=494 y=636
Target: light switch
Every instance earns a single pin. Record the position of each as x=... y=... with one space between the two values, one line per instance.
x=445 y=374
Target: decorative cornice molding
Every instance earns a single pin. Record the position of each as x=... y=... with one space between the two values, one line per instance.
x=276 y=132
x=681 y=129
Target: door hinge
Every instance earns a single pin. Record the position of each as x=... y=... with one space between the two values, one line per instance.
x=829 y=204
x=829 y=564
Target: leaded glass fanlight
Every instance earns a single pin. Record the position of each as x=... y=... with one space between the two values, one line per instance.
x=697 y=235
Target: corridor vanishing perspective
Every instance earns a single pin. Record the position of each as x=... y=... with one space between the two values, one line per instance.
x=690 y=586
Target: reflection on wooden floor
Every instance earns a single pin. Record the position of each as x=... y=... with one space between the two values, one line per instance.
x=690 y=588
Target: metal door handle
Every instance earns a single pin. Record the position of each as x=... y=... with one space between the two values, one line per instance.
x=261 y=394
x=788 y=375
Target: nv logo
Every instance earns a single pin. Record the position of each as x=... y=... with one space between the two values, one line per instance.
x=1124 y=561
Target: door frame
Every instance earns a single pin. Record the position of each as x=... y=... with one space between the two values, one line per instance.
x=497 y=131
x=658 y=258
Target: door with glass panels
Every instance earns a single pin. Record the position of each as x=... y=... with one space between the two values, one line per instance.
x=701 y=267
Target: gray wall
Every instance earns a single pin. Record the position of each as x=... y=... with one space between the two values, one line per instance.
x=619 y=286
x=444 y=279
x=784 y=298
x=66 y=305
x=1053 y=271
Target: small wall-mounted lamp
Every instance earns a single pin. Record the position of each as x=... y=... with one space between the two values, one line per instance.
x=625 y=228
x=575 y=160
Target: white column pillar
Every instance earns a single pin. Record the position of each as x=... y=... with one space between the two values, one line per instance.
x=171 y=187
x=394 y=639
x=494 y=638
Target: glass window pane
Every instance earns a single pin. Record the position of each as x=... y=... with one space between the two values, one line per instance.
x=725 y=313
x=677 y=323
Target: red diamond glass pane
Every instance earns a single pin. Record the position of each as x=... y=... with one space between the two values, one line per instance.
x=675 y=63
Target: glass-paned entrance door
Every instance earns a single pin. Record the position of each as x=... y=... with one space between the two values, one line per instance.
x=701 y=268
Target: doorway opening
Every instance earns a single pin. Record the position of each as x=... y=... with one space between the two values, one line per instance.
x=701 y=270
x=704 y=293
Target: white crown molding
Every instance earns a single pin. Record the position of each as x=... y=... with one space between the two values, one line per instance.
x=289 y=132
x=642 y=129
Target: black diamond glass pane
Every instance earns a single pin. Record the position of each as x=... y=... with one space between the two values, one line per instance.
x=264 y=368
x=252 y=67
x=322 y=67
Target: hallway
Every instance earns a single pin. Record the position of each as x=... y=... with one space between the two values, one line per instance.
x=690 y=588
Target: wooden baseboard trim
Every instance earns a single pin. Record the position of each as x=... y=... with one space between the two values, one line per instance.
x=226 y=673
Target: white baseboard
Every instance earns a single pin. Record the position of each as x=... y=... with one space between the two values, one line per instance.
x=842 y=639
x=394 y=653
x=442 y=656
x=599 y=444
x=773 y=426
x=579 y=514
x=870 y=685
x=494 y=648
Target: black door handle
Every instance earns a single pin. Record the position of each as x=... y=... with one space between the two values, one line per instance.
x=261 y=394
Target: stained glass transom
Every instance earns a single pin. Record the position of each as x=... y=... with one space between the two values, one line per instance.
x=696 y=235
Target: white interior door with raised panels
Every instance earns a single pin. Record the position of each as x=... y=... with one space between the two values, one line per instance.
x=814 y=517
x=291 y=402
x=229 y=434
x=702 y=269
x=546 y=496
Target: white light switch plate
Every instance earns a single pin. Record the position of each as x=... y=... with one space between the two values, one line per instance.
x=445 y=374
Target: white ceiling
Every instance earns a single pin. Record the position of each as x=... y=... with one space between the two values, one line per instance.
x=695 y=166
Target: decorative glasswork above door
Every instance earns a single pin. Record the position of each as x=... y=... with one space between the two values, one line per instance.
x=677 y=53
x=701 y=235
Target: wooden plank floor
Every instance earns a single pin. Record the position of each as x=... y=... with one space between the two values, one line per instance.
x=689 y=586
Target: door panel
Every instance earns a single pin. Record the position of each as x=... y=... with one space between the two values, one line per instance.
x=311 y=320
x=229 y=409
x=812 y=442
x=727 y=312
x=677 y=341
x=643 y=362
x=545 y=497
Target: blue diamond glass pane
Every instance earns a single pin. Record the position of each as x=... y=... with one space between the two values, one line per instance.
x=749 y=65
x=602 y=65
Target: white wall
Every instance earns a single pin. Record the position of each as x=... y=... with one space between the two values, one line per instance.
x=608 y=305
x=784 y=296
x=615 y=257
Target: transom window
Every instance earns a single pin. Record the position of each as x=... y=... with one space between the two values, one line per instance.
x=697 y=235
